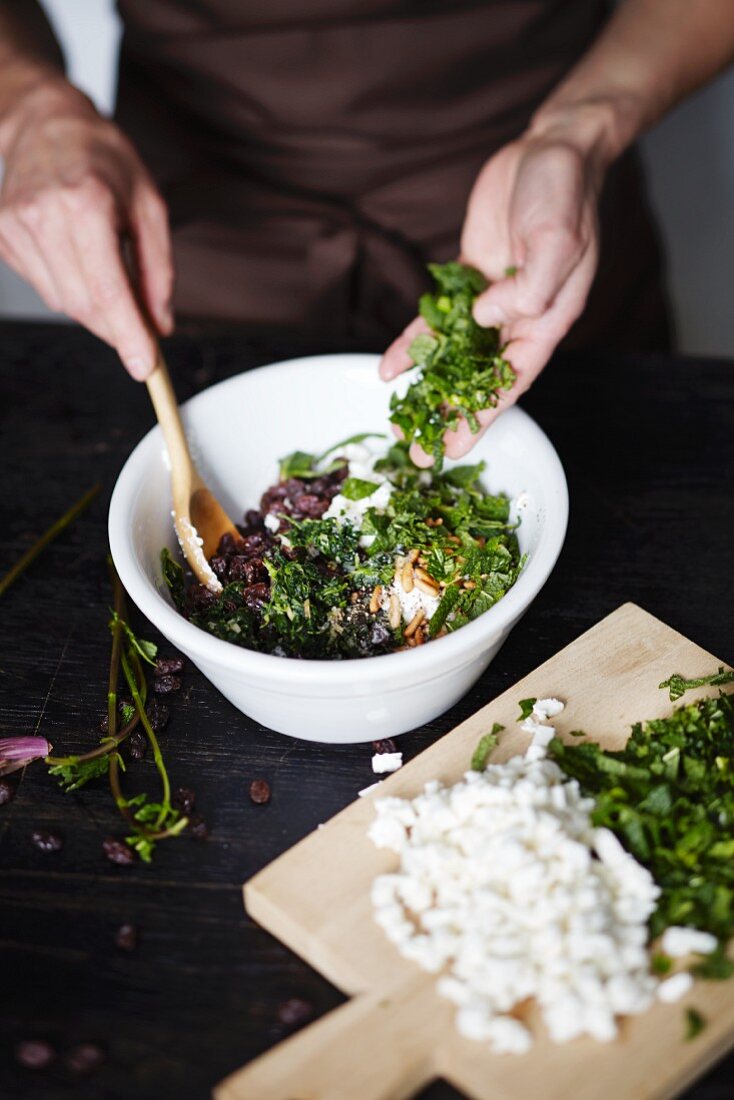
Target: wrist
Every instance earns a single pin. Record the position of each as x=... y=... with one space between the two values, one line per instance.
x=36 y=93
x=600 y=129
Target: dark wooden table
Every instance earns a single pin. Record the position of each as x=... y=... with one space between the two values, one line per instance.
x=648 y=447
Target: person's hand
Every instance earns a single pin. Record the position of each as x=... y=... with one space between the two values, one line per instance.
x=531 y=228
x=74 y=189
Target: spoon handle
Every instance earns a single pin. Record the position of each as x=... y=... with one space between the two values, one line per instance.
x=183 y=473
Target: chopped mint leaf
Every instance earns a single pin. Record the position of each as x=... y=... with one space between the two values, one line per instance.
x=356 y=488
x=486 y=746
x=695 y=1023
x=677 y=685
x=526 y=708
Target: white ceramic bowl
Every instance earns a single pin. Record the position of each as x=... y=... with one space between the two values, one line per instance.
x=238 y=430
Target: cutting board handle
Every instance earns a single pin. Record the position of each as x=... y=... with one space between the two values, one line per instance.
x=378 y=1046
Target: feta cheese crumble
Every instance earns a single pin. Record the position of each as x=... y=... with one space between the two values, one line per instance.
x=678 y=941
x=384 y=762
x=498 y=890
x=360 y=464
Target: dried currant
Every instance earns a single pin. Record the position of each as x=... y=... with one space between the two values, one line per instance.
x=259 y=792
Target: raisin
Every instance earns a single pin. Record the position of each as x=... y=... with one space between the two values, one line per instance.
x=184 y=799
x=164 y=685
x=7 y=792
x=47 y=842
x=201 y=597
x=294 y=1012
x=34 y=1053
x=259 y=792
x=219 y=566
x=250 y=570
x=137 y=744
x=227 y=544
x=168 y=666
x=198 y=828
x=126 y=937
x=118 y=852
x=311 y=505
x=253 y=521
x=254 y=546
x=158 y=715
x=386 y=745
x=85 y=1058
x=256 y=596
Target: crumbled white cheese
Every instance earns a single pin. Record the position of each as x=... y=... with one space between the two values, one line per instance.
x=271 y=522
x=547 y=708
x=190 y=539
x=361 y=464
x=498 y=889
x=678 y=941
x=384 y=762
x=410 y=602
x=542 y=733
x=672 y=989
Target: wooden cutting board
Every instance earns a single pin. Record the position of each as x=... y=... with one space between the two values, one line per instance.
x=396 y=1035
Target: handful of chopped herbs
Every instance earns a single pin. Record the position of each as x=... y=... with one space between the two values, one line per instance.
x=462 y=368
x=669 y=797
x=354 y=555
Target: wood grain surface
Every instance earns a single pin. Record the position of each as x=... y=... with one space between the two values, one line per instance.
x=397 y=1033
x=648 y=448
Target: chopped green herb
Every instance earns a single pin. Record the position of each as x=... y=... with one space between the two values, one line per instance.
x=677 y=685
x=660 y=964
x=526 y=708
x=173 y=575
x=669 y=797
x=461 y=366
x=77 y=773
x=695 y=1023
x=356 y=488
x=486 y=746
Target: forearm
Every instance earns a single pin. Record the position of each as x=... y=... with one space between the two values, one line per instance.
x=651 y=54
x=31 y=65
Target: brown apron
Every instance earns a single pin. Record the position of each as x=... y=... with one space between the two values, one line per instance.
x=315 y=154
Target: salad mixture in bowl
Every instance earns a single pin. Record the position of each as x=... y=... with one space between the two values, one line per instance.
x=356 y=553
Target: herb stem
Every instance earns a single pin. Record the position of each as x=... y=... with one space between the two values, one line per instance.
x=48 y=536
x=157 y=755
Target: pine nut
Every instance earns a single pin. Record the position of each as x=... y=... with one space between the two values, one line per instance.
x=470 y=584
x=406 y=577
x=426 y=586
x=394 y=612
x=413 y=556
x=414 y=623
x=375 y=599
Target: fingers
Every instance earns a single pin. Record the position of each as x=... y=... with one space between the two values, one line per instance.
x=110 y=295
x=396 y=358
x=551 y=254
x=149 y=224
x=19 y=249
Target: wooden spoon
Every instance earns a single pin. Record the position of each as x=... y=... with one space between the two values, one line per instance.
x=198 y=517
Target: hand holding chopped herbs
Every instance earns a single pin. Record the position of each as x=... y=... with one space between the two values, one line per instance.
x=462 y=369
x=352 y=554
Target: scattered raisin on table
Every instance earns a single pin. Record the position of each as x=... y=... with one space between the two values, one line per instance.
x=158 y=714
x=164 y=685
x=126 y=937
x=168 y=666
x=34 y=1053
x=184 y=799
x=198 y=827
x=294 y=1012
x=85 y=1058
x=386 y=745
x=47 y=842
x=117 y=851
x=259 y=792
x=7 y=792
x=137 y=744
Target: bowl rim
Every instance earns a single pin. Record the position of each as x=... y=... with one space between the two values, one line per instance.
x=414 y=665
